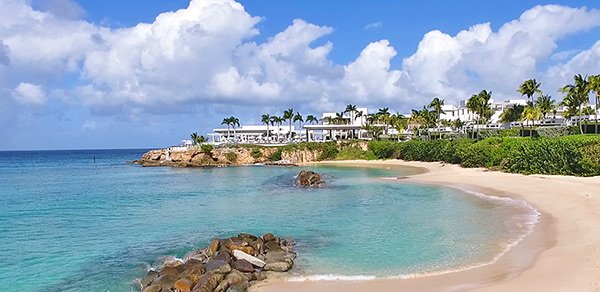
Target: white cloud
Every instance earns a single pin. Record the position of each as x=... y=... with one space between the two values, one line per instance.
x=373 y=25
x=61 y=8
x=31 y=94
x=205 y=54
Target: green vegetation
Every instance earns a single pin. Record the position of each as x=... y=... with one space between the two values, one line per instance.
x=231 y=156
x=255 y=153
x=570 y=155
x=354 y=153
x=206 y=148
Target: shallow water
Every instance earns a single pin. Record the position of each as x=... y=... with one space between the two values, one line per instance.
x=69 y=224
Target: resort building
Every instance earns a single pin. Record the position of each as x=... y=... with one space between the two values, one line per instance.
x=261 y=134
x=339 y=126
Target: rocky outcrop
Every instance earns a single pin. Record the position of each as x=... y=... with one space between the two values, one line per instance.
x=307 y=178
x=197 y=157
x=230 y=264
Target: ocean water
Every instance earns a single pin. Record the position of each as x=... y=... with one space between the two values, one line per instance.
x=68 y=223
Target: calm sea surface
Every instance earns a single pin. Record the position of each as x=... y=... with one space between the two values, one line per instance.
x=69 y=224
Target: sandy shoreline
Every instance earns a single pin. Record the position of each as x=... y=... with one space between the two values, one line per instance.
x=562 y=254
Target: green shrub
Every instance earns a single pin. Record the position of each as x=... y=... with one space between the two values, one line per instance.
x=231 y=156
x=255 y=153
x=352 y=153
x=328 y=152
x=485 y=153
x=276 y=156
x=384 y=149
x=206 y=148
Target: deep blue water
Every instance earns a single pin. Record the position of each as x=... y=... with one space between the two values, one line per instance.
x=69 y=224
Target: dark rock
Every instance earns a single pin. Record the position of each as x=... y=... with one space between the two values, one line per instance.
x=243 y=266
x=268 y=237
x=259 y=276
x=218 y=266
x=278 y=266
x=239 y=287
x=222 y=255
x=272 y=246
x=232 y=278
x=209 y=282
x=150 y=276
x=165 y=282
x=279 y=256
x=152 y=288
x=307 y=178
x=193 y=272
x=247 y=249
x=244 y=236
x=173 y=271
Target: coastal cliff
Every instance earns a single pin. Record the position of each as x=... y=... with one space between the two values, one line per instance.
x=197 y=157
x=209 y=156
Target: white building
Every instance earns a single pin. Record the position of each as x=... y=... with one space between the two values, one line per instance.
x=253 y=134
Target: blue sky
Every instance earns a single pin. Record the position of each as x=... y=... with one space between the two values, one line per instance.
x=87 y=74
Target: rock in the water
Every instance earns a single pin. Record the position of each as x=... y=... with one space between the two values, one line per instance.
x=213 y=247
x=307 y=178
x=240 y=255
x=209 y=282
x=278 y=266
x=218 y=266
x=247 y=249
x=243 y=266
x=279 y=256
x=268 y=237
x=150 y=276
x=183 y=285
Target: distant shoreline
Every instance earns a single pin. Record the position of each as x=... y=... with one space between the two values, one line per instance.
x=547 y=258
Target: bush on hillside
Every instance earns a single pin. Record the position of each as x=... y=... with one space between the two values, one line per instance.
x=353 y=153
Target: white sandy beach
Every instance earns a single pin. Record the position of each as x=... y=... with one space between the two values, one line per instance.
x=562 y=254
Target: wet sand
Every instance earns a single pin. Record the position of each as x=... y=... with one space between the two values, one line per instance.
x=561 y=254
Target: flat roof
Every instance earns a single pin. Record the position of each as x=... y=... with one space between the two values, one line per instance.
x=332 y=127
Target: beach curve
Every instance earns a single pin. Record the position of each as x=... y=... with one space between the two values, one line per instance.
x=548 y=258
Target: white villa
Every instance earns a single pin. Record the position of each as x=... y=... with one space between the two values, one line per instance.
x=350 y=125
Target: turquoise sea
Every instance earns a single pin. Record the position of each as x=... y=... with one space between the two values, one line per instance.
x=68 y=223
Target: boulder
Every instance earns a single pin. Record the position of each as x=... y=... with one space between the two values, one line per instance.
x=213 y=247
x=240 y=255
x=218 y=266
x=150 y=276
x=243 y=266
x=209 y=282
x=278 y=266
x=279 y=256
x=239 y=287
x=183 y=285
x=222 y=255
x=307 y=178
x=232 y=278
x=173 y=271
x=268 y=237
x=247 y=249
x=272 y=246
x=152 y=288
x=193 y=273
x=165 y=282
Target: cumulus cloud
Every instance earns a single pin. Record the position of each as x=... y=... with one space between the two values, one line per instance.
x=27 y=93
x=61 y=8
x=205 y=54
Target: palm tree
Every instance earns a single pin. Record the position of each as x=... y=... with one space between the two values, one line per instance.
x=512 y=114
x=226 y=121
x=234 y=122
x=351 y=109
x=275 y=120
x=436 y=104
x=197 y=139
x=310 y=119
x=266 y=119
x=529 y=88
x=479 y=105
x=531 y=113
x=298 y=118
x=578 y=94
x=399 y=122
x=288 y=116
x=594 y=86
x=545 y=104
x=383 y=115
